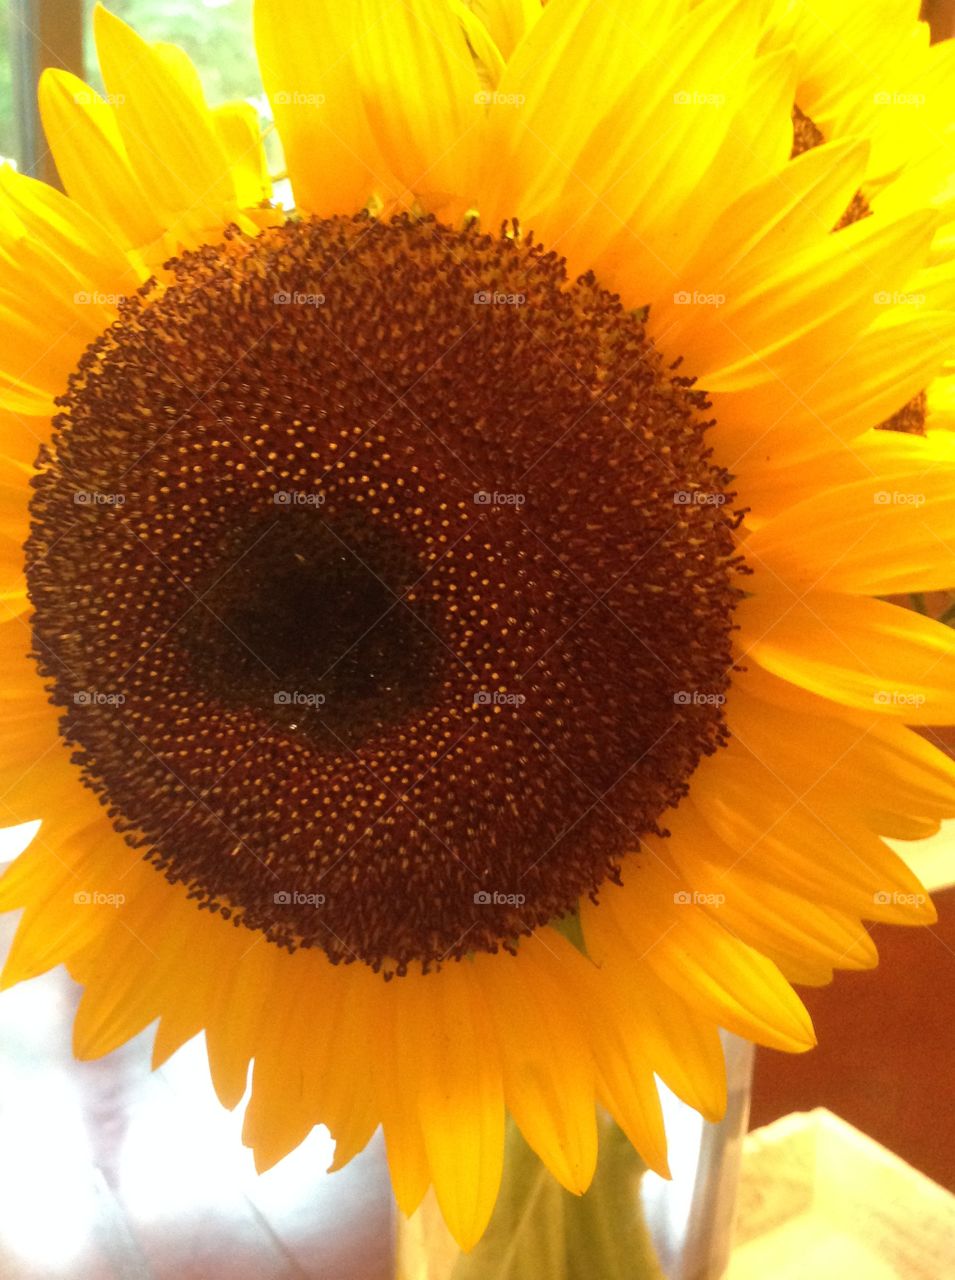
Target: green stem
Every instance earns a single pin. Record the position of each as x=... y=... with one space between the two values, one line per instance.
x=540 y=1230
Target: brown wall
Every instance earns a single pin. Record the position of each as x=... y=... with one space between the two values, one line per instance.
x=886 y=1055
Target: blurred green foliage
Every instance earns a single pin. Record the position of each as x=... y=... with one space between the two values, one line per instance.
x=216 y=34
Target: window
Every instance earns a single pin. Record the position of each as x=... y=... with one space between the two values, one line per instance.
x=216 y=34
x=8 y=141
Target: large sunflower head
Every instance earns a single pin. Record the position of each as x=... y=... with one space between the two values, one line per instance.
x=444 y=624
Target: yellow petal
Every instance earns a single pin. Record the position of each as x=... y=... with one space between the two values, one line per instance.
x=397 y=1082
x=803 y=844
x=68 y=233
x=705 y=965
x=91 y=159
x=169 y=138
x=507 y=21
x=581 y=188
x=774 y=920
x=861 y=653
x=461 y=1100
x=892 y=532
x=659 y=1031
x=331 y=154
x=783 y=212
x=824 y=295
x=415 y=77
x=548 y=1070
x=237 y=128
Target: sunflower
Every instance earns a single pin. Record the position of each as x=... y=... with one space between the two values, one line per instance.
x=443 y=634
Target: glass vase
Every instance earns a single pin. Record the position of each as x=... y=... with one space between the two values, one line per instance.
x=631 y=1224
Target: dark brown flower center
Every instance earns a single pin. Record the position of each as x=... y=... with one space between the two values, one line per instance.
x=385 y=582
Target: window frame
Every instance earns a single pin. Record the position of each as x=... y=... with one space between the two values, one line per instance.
x=46 y=33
